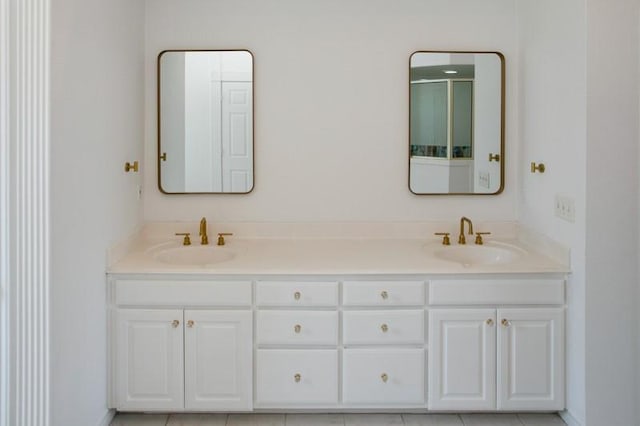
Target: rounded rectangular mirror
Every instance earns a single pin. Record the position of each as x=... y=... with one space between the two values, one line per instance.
x=205 y=121
x=456 y=123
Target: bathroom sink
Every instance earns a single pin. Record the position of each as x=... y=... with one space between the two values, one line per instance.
x=193 y=255
x=492 y=253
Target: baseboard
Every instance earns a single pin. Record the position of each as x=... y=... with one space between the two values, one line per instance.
x=569 y=419
x=108 y=416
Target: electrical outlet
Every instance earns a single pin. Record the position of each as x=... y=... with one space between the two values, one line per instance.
x=565 y=207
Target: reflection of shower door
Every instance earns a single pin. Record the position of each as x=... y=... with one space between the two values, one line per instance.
x=237 y=137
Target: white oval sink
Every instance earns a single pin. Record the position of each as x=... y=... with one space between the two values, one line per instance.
x=488 y=254
x=193 y=255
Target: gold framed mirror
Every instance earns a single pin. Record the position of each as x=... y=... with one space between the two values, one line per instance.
x=205 y=122
x=456 y=122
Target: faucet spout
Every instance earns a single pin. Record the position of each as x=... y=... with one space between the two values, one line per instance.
x=461 y=238
x=204 y=239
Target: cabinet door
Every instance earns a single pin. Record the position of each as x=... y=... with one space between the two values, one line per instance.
x=531 y=359
x=149 y=360
x=462 y=359
x=218 y=360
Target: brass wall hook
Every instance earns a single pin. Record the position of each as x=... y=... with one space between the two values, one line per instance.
x=494 y=157
x=537 y=167
x=128 y=167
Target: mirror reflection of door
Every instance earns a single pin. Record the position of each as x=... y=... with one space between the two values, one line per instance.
x=206 y=122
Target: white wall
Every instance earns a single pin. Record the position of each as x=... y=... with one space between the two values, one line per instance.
x=579 y=114
x=612 y=212
x=97 y=111
x=552 y=98
x=331 y=103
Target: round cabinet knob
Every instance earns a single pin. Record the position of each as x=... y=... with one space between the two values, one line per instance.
x=505 y=322
x=384 y=328
x=296 y=295
x=384 y=377
x=297 y=328
x=190 y=323
x=384 y=294
x=175 y=323
x=489 y=322
x=297 y=378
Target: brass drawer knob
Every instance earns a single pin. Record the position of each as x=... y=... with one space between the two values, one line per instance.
x=297 y=328
x=384 y=294
x=505 y=322
x=489 y=322
x=297 y=378
x=384 y=328
x=384 y=377
x=296 y=295
x=175 y=323
x=190 y=323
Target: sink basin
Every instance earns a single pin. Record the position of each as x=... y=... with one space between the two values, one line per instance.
x=193 y=255
x=488 y=254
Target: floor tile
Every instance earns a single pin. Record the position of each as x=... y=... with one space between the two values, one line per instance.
x=314 y=420
x=255 y=420
x=541 y=420
x=432 y=420
x=491 y=420
x=197 y=420
x=372 y=419
x=135 y=419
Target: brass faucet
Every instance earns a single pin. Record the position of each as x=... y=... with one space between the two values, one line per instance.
x=461 y=238
x=203 y=232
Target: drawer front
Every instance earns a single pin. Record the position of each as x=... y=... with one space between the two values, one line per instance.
x=179 y=293
x=296 y=328
x=290 y=377
x=497 y=292
x=387 y=377
x=383 y=327
x=291 y=293
x=383 y=293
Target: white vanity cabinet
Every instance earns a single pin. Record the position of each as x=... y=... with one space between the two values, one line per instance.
x=442 y=342
x=186 y=358
x=498 y=358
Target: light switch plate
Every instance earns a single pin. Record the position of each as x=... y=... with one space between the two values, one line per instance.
x=565 y=207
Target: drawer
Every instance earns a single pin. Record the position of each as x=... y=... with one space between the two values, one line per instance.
x=383 y=327
x=179 y=293
x=383 y=293
x=292 y=293
x=290 y=377
x=497 y=292
x=388 y=377
x=296 y=328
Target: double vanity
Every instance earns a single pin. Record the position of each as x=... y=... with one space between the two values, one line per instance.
x=339 y=323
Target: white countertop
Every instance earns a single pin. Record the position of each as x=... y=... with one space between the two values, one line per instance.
x=333 y=256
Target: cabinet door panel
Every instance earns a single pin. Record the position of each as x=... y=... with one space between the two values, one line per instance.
x=462 y=356
x=218 y=360
x=530 y=359
x=149 y=360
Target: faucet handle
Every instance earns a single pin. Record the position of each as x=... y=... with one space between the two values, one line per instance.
x=187 y=239
x=221 y=236
x=445 y=238
x=479 y=235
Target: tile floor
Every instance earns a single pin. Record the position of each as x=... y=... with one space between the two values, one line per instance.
x=336 y=420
